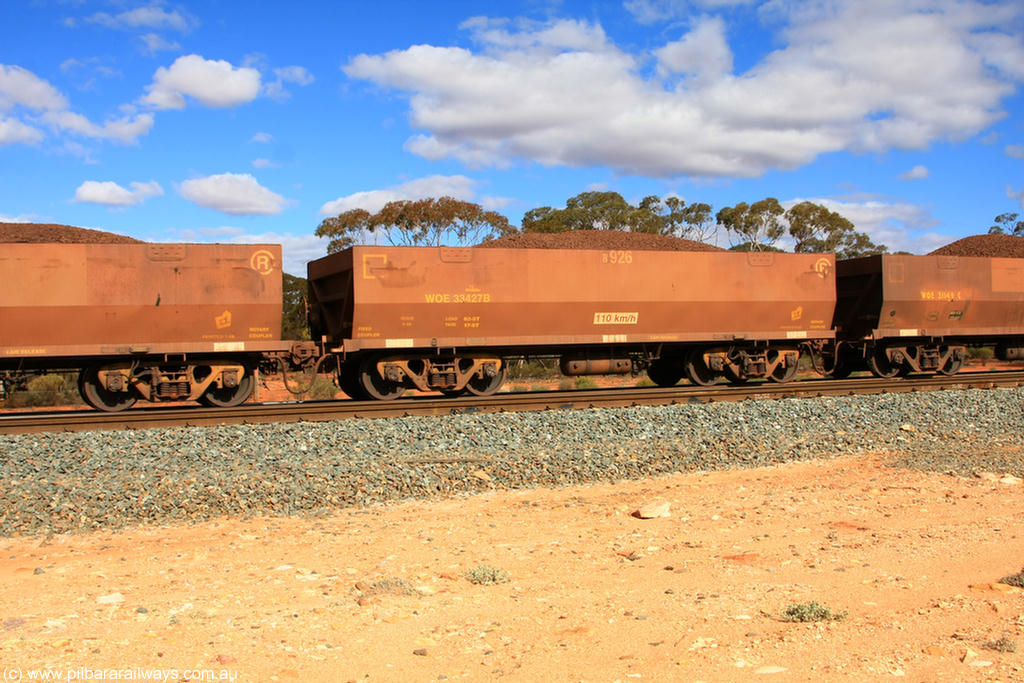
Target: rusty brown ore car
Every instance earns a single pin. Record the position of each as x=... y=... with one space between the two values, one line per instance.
x=440 y=318
x=151 y=321
x=897 y=314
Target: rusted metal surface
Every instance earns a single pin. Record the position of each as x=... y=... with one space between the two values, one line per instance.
x=897 y=296
x=409 y=297
x=63 y=300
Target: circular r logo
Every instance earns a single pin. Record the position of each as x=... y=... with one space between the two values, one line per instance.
x=262 y=262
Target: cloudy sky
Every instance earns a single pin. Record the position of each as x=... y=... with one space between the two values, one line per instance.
x=227 y=120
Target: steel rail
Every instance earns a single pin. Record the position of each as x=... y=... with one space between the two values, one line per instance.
x=315 y=411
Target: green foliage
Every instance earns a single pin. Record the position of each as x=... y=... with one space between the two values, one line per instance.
x=747 y=246
x=982 y=353
x=816 y=229
x=293 y=308
x=645 y=382
x=811 y=611
x=485 y=575
x=532 y=369
x=385 y=586
x=429 y=222
x=323 y=388
x=585 y=211
x=586 y=383
x=609 y=211
x=1007 y=224
x=566 y=384
x=759 y=224
x=57 y=389
x=1014 y=579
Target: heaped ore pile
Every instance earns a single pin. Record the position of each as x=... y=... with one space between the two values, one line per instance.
x=65 y=234
x=1001 y=246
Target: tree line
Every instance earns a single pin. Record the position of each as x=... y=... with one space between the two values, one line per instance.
x=750 y=227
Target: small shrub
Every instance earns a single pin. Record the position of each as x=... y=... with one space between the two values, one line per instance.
x=1014 y=579
x=645 y=382
x=533 y=369
x=811 y=611
x=982 y=353
x=586 y=383
x=485 y=575
x=323 y=388
x=386 y=586
x=566 y=384
x=46 y=390
x=1004 y=644
x=538 y=387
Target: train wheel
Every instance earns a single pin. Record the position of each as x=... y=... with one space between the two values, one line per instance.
x=348 y=380
x=98 y=396
x=952 y=366
x=840 y=371
x=665 y=372
x=880 y=365
x=376 y=386
x=485 y=386
x=229 y=397
x=698 y=371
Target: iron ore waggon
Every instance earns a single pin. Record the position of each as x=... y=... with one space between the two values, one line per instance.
x=897 y=314
x=151 y=321
x=446 y=319
x=172 y=322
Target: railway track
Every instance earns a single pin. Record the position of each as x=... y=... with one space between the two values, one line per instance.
x=313 y=411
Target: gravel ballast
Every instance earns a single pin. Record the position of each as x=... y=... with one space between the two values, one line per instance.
x=55 y=483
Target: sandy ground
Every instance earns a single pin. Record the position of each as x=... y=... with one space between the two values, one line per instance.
x=593 y=593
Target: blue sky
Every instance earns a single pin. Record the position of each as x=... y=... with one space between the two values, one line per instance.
x=230 y=121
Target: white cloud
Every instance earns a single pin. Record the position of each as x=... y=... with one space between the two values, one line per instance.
x=21 y=87
x=111 y=194
x=1017 y=195
x=145 y=17
x=126 y=129
x=900 y=226
x=214 y=83
x=263 y=163
x=154 y=43
x=702 y=54
x=1014 y=151
x=234 y=193
x=864 y=75
x=289 y=74
x=13 y=131
x=262 y=137
x=294 y=74
x=21 y=218
x=457 y=186
x=653 y=11
x=917 y=173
